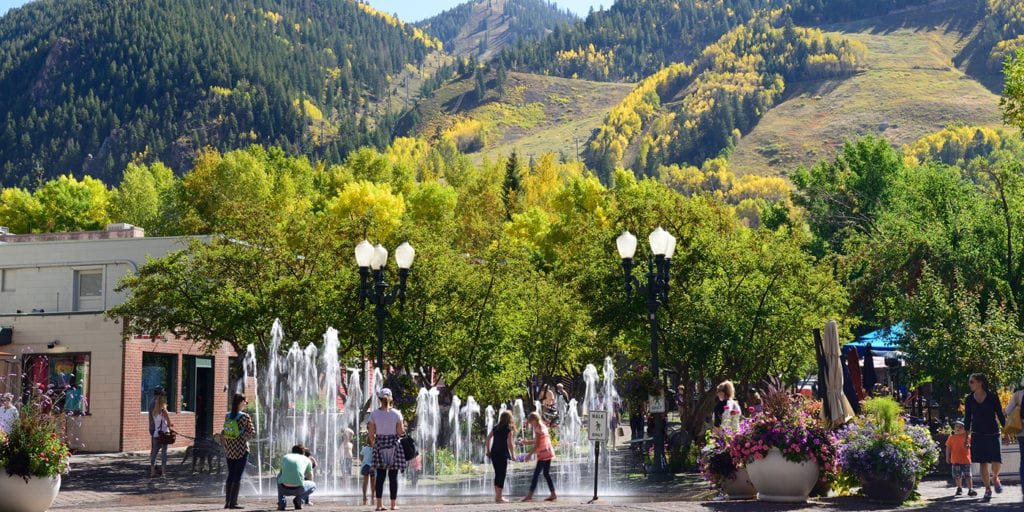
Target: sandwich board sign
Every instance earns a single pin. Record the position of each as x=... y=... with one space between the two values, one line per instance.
x=657 y=403
x=597 y=426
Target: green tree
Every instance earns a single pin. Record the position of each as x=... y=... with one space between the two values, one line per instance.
x=72 y=205
x=512 y=184
x=20 y=211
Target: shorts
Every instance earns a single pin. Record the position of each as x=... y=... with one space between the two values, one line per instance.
x=365 y=471
x=961 y=471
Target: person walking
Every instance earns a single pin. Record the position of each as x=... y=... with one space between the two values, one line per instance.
x=544 y=452
x=1016 y=406
x=238 y=430
x=385 y=428
x=982 y=411
x=161 y=425
x=500 y=449
x=959 y=458
x=295 y=478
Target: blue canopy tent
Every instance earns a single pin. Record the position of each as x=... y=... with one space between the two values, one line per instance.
x=882 y=340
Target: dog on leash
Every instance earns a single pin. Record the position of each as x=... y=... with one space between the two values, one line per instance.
x=204 y=452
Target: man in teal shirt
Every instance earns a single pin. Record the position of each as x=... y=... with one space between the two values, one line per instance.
x=295 y=478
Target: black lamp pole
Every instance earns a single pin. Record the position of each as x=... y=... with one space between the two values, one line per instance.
x=376 y=292
x=655 y=293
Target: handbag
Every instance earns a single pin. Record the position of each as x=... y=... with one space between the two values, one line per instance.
x=167 y=437
x=1013 y=423
x=409 y=448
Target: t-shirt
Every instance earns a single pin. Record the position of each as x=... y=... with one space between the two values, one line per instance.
x=295 y=469
x=367 y=455
x=958 y=451
x=159 y=424
x=386 y=421
x=544 y=449
x=8 y=415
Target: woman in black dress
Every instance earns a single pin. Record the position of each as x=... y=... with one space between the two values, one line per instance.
x=984 y=419
x=500 y=450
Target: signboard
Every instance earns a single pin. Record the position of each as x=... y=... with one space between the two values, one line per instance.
x=597 y=426
x=657 y=404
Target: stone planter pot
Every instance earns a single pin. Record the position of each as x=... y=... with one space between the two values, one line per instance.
x=886 y=490
x=779 y=480
x=36 y=495
x=739 y=487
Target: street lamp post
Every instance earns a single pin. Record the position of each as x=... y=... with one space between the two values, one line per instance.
x=655 y=291
x=374 y=259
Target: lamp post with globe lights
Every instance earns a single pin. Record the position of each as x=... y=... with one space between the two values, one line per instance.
x=372 y=261
x=655 y=292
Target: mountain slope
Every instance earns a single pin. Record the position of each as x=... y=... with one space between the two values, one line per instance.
x=910 y=88
x=481 y=28
x=636 y=38
x=88 y=85
x=536 y=114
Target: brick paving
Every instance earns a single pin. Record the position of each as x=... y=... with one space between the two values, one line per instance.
x=121 y=483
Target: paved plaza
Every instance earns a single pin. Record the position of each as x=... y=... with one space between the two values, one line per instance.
x=121 y=482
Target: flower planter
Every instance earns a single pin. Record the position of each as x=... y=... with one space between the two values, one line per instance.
x=886 y=490
x=779 y=480
x=739 y=487
x=36 y=495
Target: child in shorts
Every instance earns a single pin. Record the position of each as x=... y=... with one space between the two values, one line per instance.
x=366 y=454
x=959 y=457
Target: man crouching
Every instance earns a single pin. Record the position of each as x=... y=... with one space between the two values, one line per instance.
x=295 y=478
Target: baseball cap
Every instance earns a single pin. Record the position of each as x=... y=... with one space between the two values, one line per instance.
x=384 y=392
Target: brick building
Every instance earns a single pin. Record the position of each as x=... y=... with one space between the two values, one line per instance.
x=54 y=292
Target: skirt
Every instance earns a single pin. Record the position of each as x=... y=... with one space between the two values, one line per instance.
x=985 y=448
x=388 y=453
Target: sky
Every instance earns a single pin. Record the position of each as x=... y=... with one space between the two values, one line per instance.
x=416 y=10
x=412 y=10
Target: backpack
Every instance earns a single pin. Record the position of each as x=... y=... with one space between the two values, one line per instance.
x=232 y=430
x=409 y=448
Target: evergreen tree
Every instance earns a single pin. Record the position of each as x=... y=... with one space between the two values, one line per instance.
x=513 y=183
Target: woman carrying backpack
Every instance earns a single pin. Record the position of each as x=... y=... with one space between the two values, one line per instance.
x=238 y=430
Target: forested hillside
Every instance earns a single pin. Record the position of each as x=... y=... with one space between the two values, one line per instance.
x=86 y=86
x=481 y=28
x=636 y=38
x=687 y=113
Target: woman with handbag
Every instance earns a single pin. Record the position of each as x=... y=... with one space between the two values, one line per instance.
x=1014 y=426
x=384 y=429
x=162 y=436
x=238 y=430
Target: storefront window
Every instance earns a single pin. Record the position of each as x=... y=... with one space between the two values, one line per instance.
x=158 y=372
x=63 y=378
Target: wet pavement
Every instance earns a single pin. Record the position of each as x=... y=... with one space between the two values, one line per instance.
x=122 y=483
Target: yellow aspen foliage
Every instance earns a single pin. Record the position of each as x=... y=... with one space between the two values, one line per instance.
x=371 y=205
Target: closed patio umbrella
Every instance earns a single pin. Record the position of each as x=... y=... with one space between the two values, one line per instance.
x=839 y=407
x=870 y=377
x=848 y=390
x=853 y=361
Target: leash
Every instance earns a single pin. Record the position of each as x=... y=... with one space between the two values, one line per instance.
x=182 y=435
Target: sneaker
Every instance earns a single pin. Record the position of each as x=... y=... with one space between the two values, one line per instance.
x=972 y=493
x=959 y=492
